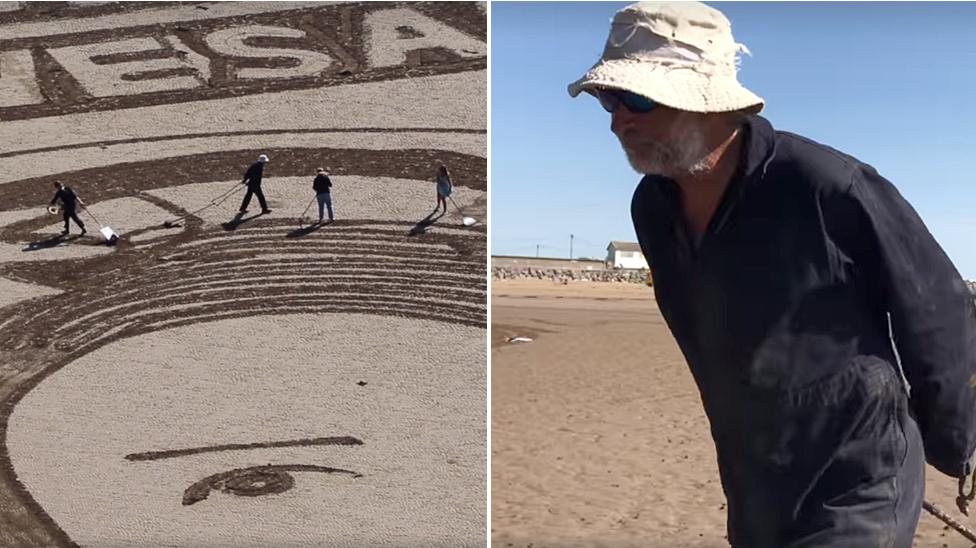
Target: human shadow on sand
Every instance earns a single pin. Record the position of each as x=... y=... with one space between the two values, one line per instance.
x=307 y=229
x=425 y=223
x=238 y=220
x=53 y=241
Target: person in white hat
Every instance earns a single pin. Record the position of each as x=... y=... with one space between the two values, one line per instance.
x=252 y=178
x=799 y=285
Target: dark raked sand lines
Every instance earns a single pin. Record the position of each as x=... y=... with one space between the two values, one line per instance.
x=253 y=481
x=157 y=455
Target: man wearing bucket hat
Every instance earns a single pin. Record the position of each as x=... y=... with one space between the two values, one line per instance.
x=252 y=178
x=802 y=289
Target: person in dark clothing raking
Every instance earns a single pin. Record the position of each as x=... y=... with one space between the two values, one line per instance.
x=802 y=289
x=252 y=178
x=69 y=206
x=322 y=186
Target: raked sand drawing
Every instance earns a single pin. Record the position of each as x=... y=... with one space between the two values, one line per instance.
x=262 y=382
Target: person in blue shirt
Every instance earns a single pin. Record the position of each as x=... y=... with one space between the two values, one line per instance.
x=831 y=339
x=444 y=186
x=322 y=186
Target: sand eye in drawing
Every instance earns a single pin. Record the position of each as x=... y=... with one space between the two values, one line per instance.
x=254 y=481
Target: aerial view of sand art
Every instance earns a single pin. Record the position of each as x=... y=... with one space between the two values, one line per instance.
x=215 y=379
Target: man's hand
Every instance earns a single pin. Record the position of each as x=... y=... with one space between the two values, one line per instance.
x=968 y=479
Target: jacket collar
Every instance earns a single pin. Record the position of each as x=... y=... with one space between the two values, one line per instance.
x=760 y=147
x=758 y=152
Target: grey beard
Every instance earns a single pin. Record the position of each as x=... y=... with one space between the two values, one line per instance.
x=687 y=158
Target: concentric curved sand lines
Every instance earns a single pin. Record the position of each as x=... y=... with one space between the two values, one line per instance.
x=190 y=284
x=218 y=337
x=208 y=275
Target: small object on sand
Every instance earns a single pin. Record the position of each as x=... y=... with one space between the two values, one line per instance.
x=361 y=383
x=110 y=236
x=465 y=220
x=518 y=339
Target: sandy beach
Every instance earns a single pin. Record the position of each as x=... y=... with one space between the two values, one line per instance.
x=598 y=435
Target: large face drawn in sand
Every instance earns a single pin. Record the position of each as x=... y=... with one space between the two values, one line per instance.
x=318 y=388
x=258 y=381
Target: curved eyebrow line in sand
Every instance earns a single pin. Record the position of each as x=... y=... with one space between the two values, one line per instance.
x=157 y=455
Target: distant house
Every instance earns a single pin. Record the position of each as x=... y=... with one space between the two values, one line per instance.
x=625 y=255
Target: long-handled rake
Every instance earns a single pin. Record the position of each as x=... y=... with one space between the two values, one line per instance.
x=468 y=221
x=301 y=220
x=947 y=519
x=110 y=235
x=216 y=201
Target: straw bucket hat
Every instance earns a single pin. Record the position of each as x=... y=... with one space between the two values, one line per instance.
x=679 y=54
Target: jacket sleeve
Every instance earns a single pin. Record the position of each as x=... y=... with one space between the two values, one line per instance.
x=933 y=318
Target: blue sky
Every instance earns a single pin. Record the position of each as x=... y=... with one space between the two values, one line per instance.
x=893 y=84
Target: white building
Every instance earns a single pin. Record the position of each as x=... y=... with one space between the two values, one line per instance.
x=625 y=255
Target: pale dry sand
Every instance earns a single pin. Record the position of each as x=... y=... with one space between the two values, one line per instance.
x=420 y=417
x=123 y=215
x=24 y=251
x=353 y=197
x=107 y=154
x=598 y=435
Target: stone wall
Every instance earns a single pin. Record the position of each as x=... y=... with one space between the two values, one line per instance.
x=565 y=275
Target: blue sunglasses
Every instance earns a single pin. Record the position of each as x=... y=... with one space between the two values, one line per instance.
x=610 y=99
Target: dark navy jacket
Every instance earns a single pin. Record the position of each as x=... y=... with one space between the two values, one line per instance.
x=69 y=200
x=253 y=175
x=321 y=184
x=782 y=313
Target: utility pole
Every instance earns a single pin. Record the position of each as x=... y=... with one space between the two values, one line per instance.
x=570 y=247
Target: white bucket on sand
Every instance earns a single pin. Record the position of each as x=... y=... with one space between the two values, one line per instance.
x=109 y=234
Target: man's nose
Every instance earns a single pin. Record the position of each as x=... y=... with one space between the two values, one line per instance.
x=621 y=120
